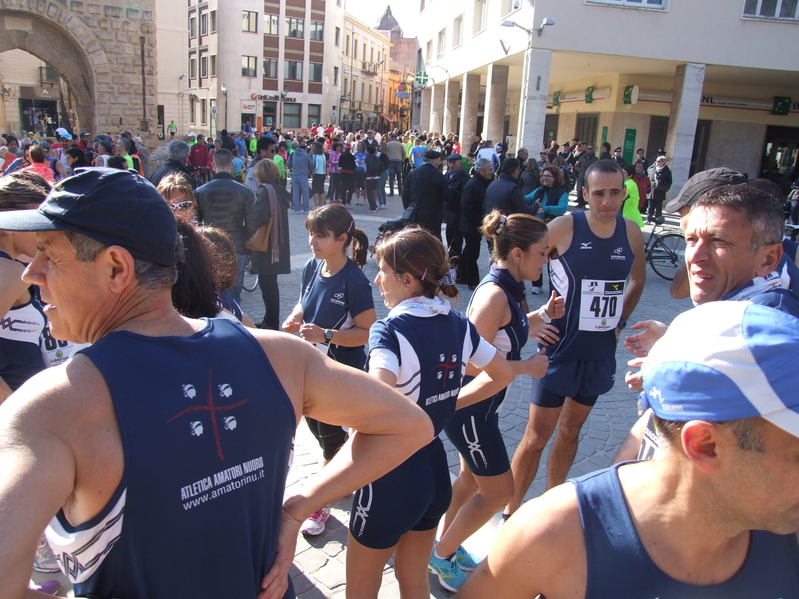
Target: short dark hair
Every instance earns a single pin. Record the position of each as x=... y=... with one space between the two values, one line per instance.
x=510 y=165
x=223 y=158
x=604 y=166
x=264 y=143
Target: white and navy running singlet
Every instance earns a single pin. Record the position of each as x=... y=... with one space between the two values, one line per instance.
x=427 y=346
x=20 y=334
x=474 y=430
x=207 y=431
x=591 y=276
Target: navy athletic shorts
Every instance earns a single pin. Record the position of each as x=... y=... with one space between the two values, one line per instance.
x=413 y=496
x=583 y=381
x=478 y=439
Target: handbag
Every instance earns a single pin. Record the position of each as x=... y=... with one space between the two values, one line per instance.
x=259 y=242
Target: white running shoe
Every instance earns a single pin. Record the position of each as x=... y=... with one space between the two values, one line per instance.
x=315 y=525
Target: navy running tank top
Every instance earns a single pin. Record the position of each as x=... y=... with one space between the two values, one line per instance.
x=591 y=276
x=620 y=568
x=207 y=431
x=509 y=341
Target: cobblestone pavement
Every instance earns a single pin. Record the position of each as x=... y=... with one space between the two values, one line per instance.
x=319 y=565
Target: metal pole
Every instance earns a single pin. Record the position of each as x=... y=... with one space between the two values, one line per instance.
x=144 y=126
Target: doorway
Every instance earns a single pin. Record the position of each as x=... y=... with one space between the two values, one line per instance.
x=780 y=156
x=700 y=147
x=550 y=129
x=658 y=130
x=587 y=125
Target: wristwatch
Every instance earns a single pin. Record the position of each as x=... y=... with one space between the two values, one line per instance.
x=622 y=323
x=542 y=312
x=328 y=335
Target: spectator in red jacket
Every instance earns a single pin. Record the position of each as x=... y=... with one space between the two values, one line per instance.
x=641 y=179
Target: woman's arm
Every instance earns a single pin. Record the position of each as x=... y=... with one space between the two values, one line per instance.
x=354 y=337
x=488 y=312
x=561 y=207
x=293 y=323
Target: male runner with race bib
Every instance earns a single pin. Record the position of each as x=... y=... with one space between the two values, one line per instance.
x=597 y=265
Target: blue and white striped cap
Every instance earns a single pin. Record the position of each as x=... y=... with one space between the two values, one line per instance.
x=726 y=361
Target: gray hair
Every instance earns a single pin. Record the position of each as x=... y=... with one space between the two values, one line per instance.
x=482 y=163
x=151 y=276
x=761 y=211
x=177 y=150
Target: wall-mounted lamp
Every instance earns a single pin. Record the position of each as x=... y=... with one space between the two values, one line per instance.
x=547 y=22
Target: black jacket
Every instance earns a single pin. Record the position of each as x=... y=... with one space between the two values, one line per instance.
x=228 y=205
x=227 y=142
x=173 y=166
x=583 y=163
x=661 y=182
x=505 y=195
x=428 y=189
x=472 y=198
x=456 y=184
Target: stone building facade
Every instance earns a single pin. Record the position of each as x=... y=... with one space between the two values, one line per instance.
x=97 y=50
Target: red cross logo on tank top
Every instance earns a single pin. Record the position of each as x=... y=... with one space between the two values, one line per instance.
x=212 y=410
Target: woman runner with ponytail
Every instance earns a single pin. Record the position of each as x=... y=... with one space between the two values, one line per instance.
x=421 y=348
x=520 y=245
x=334 y=313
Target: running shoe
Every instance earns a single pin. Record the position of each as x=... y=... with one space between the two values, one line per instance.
x=315 y=525
x=48 y=587
x=449 y=573
x=45 y=558
x=466 y=560
x=536 y=290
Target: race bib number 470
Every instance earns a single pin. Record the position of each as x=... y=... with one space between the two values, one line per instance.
x=601 y=303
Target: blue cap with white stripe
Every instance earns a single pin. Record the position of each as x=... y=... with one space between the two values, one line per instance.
x=726 y=361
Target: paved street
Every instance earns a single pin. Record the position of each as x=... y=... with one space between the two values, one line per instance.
x=319 y=567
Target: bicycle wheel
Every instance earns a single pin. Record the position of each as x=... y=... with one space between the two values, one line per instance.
x=667 y=255
x=250 y=278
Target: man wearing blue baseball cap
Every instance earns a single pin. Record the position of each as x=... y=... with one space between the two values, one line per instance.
x=156 y=459
x=714 y=514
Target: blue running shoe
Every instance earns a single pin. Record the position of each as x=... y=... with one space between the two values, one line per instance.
x=449 y=573
x=466 y=560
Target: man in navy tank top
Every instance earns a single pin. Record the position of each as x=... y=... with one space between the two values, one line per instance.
x=597 y=265
x=714 y=515
x=156 y=459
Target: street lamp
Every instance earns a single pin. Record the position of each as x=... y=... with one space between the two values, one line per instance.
x=224 y=93
x=547 y=22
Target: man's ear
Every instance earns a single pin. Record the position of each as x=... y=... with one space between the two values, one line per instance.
x=768 y=259
x=703 y=444
x=120 y=268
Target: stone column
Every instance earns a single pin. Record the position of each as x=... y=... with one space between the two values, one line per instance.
x=424 y=109
x=437 y=108
x=469 y=102
x=451 y=103
x=496 y=98
x=533 y=100
x=685 y=101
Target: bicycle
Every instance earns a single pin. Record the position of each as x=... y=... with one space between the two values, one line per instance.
x=665 y=250
x=250 y=277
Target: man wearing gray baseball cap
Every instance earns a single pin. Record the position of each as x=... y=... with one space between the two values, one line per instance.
x=159 y=455
x=714 y=514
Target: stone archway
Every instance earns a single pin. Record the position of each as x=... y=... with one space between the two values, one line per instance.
x=97 y=49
